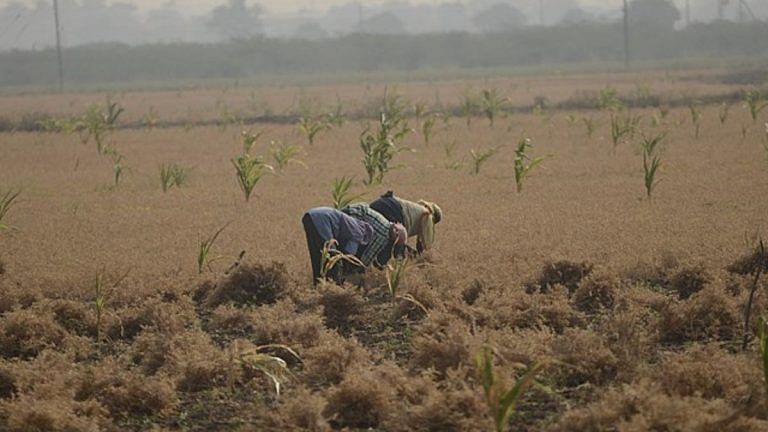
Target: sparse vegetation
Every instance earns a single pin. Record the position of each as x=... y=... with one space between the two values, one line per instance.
x=204 y=258
x=173 y=175
x=492 y=104
x=524 y=164
x=283 y=154
x=341 y=192
x=479 y=157
x=755 y=102
x=249 y=170
x=381 y=147
x=695 y=110
x=651 y=162
x=7 y=200
x=97 y=123
x=311 y=127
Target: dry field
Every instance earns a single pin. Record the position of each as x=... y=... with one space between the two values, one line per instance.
x=631 y=298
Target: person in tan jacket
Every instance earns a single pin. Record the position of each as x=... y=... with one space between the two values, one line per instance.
x=419 y=218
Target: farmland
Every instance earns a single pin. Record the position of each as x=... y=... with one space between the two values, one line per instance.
x=631 y=298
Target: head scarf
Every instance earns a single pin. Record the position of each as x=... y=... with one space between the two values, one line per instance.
x=434 y=210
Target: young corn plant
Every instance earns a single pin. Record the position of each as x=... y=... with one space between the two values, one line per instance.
x=723 y=113
x=204 y=258
x=102 y=292
x=336 y=117
x=249 y=140
x=589 y=123
x=524 y=165
x=479 y=158
x=395 y=275
x=492 y=104
x=696 y=115
x=755 y=102
x=651 y=163
x=7 y=200
x=502 y=402
x=609 y=100
x=381 y=147
x=96 y=124
x=428 y=128
x=173 y=175
x=283 y=154
x=341 y=194
x=311 y=127
x=470 y=105
x=249 y=170
x=619 y=129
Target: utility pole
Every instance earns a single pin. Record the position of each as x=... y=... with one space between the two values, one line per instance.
x=626 y=34
x=58 y=43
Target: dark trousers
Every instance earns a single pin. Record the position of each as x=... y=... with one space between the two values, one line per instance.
x=315 y=245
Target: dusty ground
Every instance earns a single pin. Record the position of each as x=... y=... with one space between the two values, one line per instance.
x=586 y=204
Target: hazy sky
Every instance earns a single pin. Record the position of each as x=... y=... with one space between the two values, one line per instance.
x=275 y=6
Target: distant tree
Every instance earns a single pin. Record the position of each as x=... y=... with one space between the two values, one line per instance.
x=236 y=20
x=310 y=31
x=653 y=13
x=382 y=23
x=498 y=18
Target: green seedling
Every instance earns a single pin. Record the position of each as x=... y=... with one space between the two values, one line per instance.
x=427 y=129
x=755 y=102
x=470 y=105
x=696 y=115
x=589 y=124
x=501 y=401
x=395 y=275
x=173 y=175
x=340 y=192
x=524 y=164
x=479 y=158
x=7 y=200
x=249 y=170
x=492 y=104
x=723 y=113
x=651 y=163
x=311 y=127
x=381 y=147
x=283 y=154
x=249 y=140
x=204 y=260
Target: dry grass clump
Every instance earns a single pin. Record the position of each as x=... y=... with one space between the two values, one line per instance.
x=626 y=332
x=26 y=333
x=451 y=406
x=8 y=386
x=473 y=292
x=689 y=280
x=341 y=306
x=523 y=346
x=514 y=308
x=123 y=393
x=161 y=313
x=654 y=273
x=50 y=415
x=280 y=323
x=749 y=263
x=302 y=410
x=595 y=293
x=710 y=314
x=711 y=373
x=644 y=406
x=566 y=273
x=442 y=342
x=418 y=301
x=586 y=359
x=361 y=401
x=252 y=284
x=328 y=361
x=190 y=358
x=74 y=316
